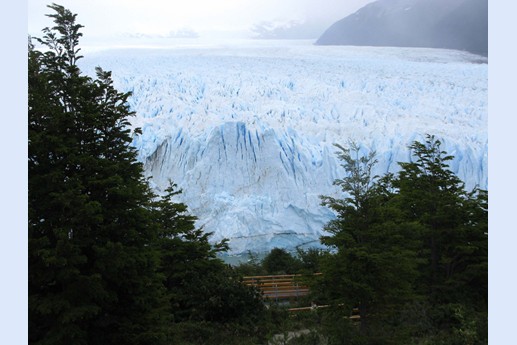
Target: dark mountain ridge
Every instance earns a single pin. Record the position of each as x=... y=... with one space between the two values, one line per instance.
x=448 y=24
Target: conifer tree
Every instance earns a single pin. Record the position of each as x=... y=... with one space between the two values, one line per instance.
x=92 y=267
x=186 y=254
x=374 y=265
x=454 y=222
x=280 y=261
x=199 y=285
x=416 y=242
x=453 y=256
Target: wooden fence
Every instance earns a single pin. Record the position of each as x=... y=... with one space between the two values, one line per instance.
x=286 y=286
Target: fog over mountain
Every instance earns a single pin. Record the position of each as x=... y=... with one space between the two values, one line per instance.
x=288 y=30
x=449 y=24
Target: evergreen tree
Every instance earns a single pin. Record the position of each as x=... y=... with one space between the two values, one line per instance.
x=200 y=287
x=453 y=257
x=454 y=223
x=92 y=267
x=374 y=265
x=387 y=227
x=280 y=261
x=310 y=259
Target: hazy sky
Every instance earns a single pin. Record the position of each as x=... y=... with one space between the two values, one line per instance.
x=112 y=18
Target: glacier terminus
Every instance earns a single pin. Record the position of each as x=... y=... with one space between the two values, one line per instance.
x=247 y=131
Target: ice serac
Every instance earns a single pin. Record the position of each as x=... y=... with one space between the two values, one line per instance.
x=254 y=186
x=248 y=132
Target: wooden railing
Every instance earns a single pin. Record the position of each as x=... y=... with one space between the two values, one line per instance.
x=284 y=286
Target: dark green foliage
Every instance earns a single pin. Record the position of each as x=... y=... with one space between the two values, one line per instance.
x=199 y=285
x=411 y=251
x=375 y=263
x=252 y=267
x=444 y=324
x=430 y=194
x=109 y=262
x=309 y=260
x=454 y=243
x=454 y=248
x=204 y=333
x=280 y=261
x=92 y=276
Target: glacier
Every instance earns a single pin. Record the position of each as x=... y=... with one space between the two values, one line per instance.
x=247 y=130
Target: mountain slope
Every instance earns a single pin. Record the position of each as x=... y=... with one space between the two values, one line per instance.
x=450 y=24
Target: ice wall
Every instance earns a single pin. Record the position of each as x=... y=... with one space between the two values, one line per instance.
x=247 y=132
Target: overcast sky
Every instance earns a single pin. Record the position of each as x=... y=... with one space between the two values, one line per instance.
x=115 y=18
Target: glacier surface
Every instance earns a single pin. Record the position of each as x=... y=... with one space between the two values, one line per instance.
x=247 y=131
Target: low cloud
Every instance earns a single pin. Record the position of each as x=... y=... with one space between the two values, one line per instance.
x=292 y=29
